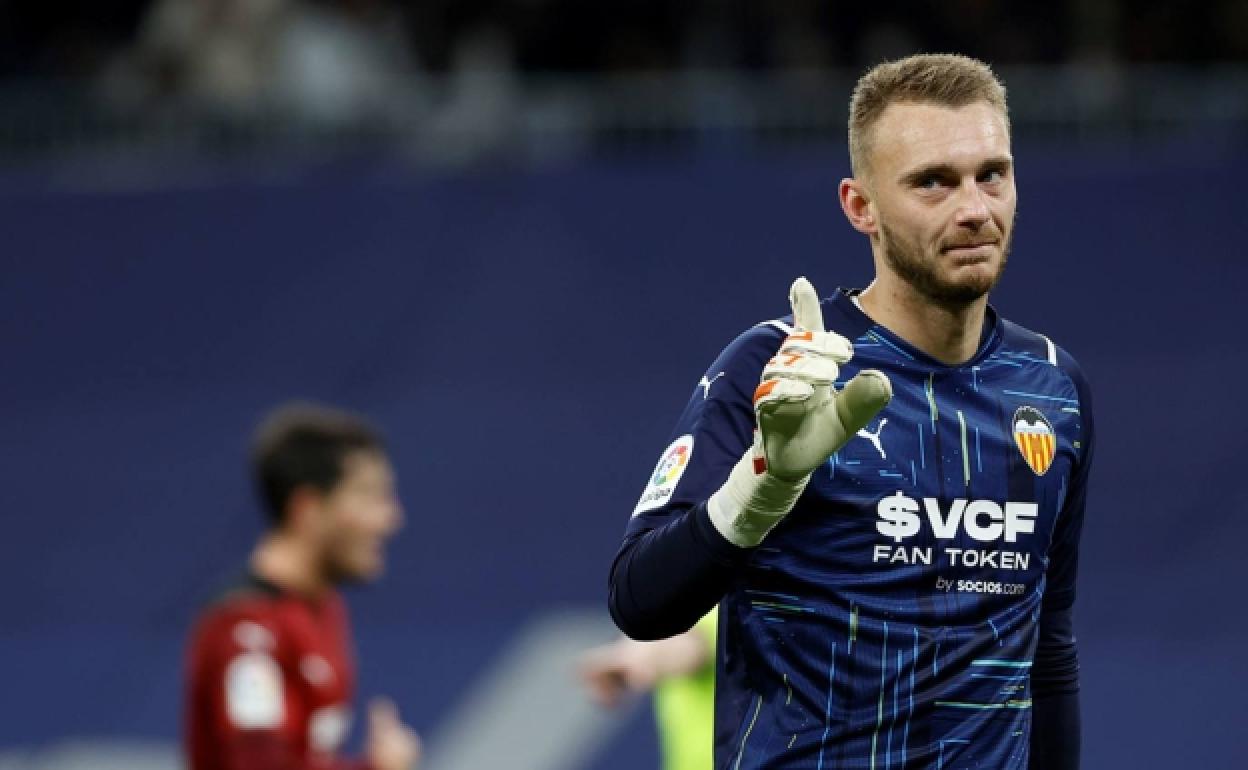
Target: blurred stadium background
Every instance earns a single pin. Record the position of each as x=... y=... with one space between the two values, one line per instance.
x=514 y=232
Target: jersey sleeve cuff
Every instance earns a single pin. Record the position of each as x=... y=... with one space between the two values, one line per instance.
x=722 y=550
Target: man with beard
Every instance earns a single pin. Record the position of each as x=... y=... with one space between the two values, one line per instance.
x=270 y=670
x=886 y=508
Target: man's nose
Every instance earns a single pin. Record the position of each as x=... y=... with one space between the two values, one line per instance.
x=972 y=210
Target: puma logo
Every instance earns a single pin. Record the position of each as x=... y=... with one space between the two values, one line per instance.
x=874 y=438
x=706 y=384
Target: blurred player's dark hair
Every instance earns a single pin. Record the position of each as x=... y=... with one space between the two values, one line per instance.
x=304 y=444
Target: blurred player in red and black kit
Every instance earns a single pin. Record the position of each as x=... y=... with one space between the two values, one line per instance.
x=270 y=669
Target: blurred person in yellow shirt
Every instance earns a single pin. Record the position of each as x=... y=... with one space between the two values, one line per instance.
x=681 y=672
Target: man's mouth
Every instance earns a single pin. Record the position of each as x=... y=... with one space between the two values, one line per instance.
x=969 y=247
x=970 y=253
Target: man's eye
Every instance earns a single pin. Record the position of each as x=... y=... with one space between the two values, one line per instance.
x=929 y=182
x=992 y=177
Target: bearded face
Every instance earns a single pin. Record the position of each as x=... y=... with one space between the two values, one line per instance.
x=946 y=276
x=942 y=198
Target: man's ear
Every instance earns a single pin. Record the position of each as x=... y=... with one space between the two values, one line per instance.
x=856 y=203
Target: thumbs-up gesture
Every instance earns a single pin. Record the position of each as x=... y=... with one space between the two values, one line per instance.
x=801 y=417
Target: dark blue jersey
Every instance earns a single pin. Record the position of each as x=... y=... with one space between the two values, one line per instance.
x=891 y=620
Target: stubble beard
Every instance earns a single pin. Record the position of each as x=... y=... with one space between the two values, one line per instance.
x=923 y=275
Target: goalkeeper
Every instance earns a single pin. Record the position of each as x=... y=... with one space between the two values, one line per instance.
x=884 y=492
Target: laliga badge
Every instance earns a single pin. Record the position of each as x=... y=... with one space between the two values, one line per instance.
x=666 y=475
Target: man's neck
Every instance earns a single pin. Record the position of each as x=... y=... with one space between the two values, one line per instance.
x=286 y=563
x=951 y=335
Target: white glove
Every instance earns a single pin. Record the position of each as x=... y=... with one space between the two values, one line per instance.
x=802 y=420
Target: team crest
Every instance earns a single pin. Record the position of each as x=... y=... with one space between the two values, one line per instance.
x=1035 y=438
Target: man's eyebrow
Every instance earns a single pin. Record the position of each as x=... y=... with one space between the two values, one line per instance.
x=930 y=170
x=995 y=163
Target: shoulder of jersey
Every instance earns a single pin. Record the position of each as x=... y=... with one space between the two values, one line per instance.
x=242 y=590
x=745 y=356
x=751 y=348
x=245 y=604
x=1018 y=337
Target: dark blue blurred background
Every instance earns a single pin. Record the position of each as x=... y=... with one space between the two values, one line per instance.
x=514 y=234
x=527 y=339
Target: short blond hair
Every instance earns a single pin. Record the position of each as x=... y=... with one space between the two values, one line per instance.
x=943 y=79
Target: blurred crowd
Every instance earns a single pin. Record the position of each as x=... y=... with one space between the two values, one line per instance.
x=366 y=62
x=231 y=49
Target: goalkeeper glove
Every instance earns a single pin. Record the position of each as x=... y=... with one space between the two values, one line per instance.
x=802 y=420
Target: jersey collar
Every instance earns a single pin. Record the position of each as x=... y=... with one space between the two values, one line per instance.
x=989 y=340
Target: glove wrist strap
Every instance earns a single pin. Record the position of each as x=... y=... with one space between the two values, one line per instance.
x=751 y=502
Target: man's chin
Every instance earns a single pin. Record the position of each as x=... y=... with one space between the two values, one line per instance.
x=962 y=290
x=970 y=281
